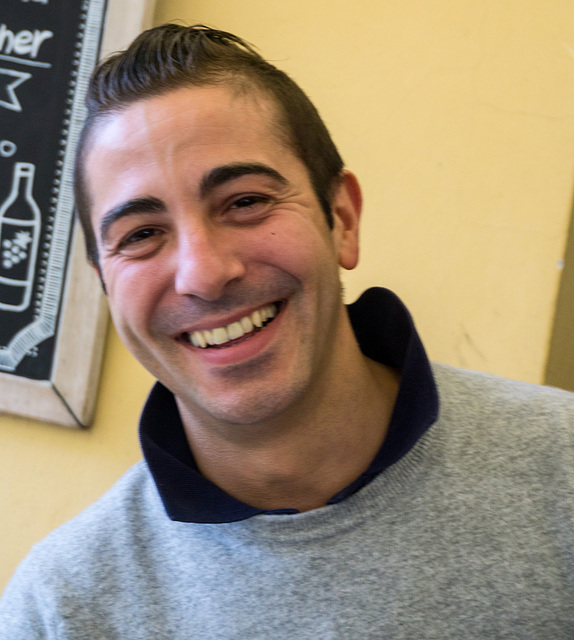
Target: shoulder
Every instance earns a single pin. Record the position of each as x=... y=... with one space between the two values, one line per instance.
x=500 y=394
x=78 y=556
x=113 y=516
x=495 y=413
x=86 y=545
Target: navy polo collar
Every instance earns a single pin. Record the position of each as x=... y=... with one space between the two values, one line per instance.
x=385 y=332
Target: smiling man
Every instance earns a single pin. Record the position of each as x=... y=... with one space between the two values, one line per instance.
x=222 y=277
x=299 y=478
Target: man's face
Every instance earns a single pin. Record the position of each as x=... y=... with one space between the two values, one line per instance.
x=206 y=224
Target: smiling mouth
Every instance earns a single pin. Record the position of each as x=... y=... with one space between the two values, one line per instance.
x=235 y=332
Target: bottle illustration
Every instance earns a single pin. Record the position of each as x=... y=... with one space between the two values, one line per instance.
x=20 y=223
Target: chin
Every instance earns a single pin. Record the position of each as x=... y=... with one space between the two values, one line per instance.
x=249 y=409
x=248 y=412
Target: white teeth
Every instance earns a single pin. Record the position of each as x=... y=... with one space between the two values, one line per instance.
x=199 y=340
x=246 y=324
x=257 y=319
x=232 y=331
x=220 y=335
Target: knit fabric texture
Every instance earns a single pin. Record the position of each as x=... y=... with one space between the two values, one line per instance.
x=469 y=535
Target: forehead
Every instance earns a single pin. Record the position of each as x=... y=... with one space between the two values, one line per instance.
x=185 y=131
x=187 y=115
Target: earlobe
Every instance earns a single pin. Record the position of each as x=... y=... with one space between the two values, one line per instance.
x=347 y=206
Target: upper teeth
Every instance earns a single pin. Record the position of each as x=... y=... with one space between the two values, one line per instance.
x=221 y=335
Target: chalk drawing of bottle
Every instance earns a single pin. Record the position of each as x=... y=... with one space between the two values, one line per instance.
x=20 y=223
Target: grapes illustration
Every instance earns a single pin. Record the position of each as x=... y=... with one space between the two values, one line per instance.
x=15 y=250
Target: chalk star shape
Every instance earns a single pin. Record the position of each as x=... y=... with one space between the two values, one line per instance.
x=22 y=239
x=21 y=76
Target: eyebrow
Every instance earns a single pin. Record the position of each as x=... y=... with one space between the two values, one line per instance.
x=147 y=204
x=228 y=172
x=210 y=181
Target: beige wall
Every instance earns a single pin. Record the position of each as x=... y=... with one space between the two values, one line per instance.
x=560 y=362
x=458 y=117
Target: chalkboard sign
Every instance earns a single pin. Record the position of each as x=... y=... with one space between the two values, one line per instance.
x=52 y=315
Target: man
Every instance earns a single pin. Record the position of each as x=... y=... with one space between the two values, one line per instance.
x=307 y=474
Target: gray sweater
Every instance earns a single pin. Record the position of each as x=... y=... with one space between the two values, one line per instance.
x=470 y=535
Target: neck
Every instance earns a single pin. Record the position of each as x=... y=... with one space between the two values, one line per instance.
x=306 y=455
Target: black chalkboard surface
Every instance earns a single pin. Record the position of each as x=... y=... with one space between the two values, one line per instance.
x=47 y=51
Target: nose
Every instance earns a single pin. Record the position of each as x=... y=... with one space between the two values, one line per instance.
x=208 y=259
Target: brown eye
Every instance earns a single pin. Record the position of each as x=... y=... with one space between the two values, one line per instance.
x=141 y=243
x=249 y=201
x=140 y=236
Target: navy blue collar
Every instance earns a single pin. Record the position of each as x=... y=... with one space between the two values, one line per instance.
x=385 y=332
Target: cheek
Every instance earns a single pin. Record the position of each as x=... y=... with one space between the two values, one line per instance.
x=298 y=249
x=132 y=291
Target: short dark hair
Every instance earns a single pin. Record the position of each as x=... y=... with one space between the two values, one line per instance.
x=172 y=56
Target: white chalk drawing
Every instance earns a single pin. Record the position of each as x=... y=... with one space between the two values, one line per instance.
x=20 y=222
x=21 y=76
x=52 y=255
x=22 y=43
x=14 y=45
x=29 y=63
x=7 y=148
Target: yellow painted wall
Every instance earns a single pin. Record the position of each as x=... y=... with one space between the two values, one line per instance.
x=50 y=473
x=458 y=117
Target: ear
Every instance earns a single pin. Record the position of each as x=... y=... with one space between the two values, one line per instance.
x=346 y=208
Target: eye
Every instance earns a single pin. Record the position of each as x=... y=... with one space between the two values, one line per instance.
x=140 y=242
x=249 y=201
x=248 y=209
x=139 y=236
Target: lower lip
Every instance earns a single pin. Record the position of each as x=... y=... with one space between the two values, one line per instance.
x=242 y=350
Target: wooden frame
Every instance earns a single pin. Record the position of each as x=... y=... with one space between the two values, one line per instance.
x=68 y=396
